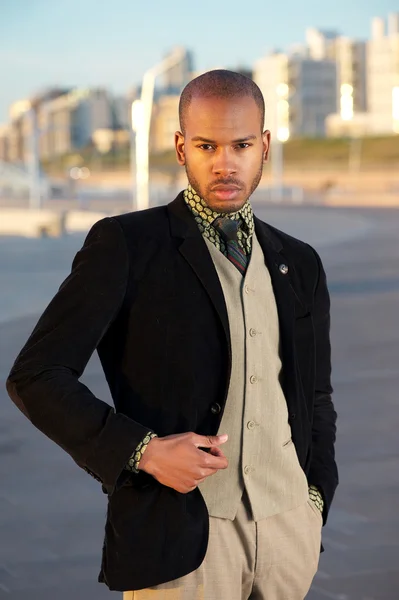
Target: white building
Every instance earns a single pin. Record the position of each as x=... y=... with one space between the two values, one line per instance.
x=320 y=43
x=380 y=115
x=383 y=75
x=350 y=57
x=68 y=122
x=299 y=93
x=4 y=141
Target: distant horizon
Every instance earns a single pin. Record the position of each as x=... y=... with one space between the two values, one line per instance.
x=75 y=44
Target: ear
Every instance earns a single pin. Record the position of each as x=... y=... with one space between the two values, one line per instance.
x=179 y=147
x=266 y=144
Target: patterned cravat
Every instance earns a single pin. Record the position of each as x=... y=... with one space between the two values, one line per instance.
x=204 y=218
x=228 y=230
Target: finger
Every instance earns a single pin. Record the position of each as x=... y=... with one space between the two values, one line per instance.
x=214 y=462
x=203 y=441
x=215 y=451
x=205 y=474
x=206 y=471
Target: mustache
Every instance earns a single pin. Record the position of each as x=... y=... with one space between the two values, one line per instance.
x=227 y=181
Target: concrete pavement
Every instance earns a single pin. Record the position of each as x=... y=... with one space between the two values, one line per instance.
x=52 y=514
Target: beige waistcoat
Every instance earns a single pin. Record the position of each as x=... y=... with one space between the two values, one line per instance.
x=262 y=457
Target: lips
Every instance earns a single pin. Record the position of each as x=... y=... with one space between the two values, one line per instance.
x=225 y=188
x=225 y=192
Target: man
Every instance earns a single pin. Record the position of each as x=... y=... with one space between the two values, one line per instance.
x=213 y=332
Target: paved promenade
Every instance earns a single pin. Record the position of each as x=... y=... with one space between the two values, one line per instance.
x=52 y=514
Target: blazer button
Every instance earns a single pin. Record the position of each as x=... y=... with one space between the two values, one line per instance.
x=283 y=269
x=292 y=416
x=216 y=408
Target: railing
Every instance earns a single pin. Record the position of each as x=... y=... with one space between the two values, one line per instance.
x=15 y=181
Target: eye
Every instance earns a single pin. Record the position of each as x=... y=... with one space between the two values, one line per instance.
x=206 y=147
x=243 y=145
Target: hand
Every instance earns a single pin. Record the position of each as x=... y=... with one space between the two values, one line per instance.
x=177 y=461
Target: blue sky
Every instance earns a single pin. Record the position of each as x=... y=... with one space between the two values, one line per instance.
x=98 y=42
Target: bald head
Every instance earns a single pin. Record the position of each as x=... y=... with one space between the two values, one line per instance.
x=220 y=84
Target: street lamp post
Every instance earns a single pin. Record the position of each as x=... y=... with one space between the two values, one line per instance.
x=282 y=134
x=277 y=169
x=347 y=114
x=139 y=157
x=35 y=200
x=141 y=112
x=395 y=108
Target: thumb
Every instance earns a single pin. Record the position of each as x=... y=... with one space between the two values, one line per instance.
x=207 y=441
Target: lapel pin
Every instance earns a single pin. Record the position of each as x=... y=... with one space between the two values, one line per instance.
x=283 y=269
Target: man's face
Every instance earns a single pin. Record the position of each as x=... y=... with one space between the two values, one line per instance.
x=223 y=150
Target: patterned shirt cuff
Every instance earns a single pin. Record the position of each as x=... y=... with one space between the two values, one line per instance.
x=316 y=497
x=134 y=461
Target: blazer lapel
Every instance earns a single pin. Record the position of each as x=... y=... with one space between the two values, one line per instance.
x=193 y=249
x=285 y=300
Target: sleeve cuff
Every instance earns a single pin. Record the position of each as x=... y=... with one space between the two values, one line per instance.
x=134 y=461
x=316 y=497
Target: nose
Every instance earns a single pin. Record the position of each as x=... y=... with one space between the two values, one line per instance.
x=224 y=163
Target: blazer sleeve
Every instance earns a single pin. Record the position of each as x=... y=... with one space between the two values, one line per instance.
x=323 y=469
x=44 y=381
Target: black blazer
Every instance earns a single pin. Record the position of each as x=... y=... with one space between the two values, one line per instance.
x=144 y=292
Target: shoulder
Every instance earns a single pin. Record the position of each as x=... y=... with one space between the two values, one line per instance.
x=133 y=226
x=142 y=217
x=298 y=251
x=143 y=221
x=306 y=268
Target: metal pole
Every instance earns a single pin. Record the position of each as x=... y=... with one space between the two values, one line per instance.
x=281 y=135
x=143 y=141
x=142 y=183
x=355 y=154
x=277 y=170
x=143 y=127
x=34 y=163
x=133 y=168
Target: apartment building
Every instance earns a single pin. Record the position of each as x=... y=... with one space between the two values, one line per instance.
x=383 y=75
x=299 y=93
x=4 y=133
x=380 y=115
x=165 y=121
x=67 y=123
x=350 y=58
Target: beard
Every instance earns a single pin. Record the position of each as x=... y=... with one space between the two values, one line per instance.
x=205 y=192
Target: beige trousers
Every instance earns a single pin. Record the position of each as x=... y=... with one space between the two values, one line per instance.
x=274 y=559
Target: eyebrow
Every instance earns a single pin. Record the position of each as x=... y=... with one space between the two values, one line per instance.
x=198 y=138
